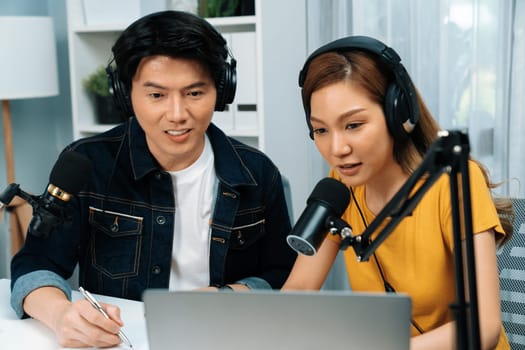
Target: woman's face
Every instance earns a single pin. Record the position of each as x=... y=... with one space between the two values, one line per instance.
x=351 y=134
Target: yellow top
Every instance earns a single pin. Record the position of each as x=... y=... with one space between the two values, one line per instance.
x=417 y=257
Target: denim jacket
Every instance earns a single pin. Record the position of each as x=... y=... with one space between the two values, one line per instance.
x=121 y=232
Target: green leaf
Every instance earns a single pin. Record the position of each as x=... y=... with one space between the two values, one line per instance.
x=97 y=82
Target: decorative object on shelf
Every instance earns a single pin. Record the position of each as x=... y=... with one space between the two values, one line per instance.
x=183 y=5
x=96 y=84
x=226 y=8
x=102 y=12
x=247 y=8
x=24 y=41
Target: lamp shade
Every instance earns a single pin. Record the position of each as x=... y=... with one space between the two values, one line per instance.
x=28 y=60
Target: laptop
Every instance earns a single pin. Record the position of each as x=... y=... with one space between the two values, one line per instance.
x=273 y=320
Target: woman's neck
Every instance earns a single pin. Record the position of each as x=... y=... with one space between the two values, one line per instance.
x=380 y=191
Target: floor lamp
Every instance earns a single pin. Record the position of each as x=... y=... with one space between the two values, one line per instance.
x=28 y=69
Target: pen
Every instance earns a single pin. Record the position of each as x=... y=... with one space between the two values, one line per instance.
x=97 y=306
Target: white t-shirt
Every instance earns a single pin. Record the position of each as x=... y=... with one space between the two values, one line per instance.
x=193 y=189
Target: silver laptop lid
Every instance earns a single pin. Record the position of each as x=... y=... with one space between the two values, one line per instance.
x=264 y=320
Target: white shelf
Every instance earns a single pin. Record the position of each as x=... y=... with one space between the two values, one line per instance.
x=98 y=28
x=91 y=129
x=234 y=24
x=90 y=48
x=228 y=24
x=232 y=21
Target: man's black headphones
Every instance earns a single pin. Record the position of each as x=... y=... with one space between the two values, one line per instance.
x=401 y=106
x=225 y=85
x=120 y=94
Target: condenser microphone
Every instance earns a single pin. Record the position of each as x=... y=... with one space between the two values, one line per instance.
x=69 y=174
x=328 y=200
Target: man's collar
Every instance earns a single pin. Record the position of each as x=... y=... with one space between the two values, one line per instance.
x=229 y=166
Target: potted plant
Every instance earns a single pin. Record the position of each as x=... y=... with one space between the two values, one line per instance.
x=96 y=84
x=219 y=8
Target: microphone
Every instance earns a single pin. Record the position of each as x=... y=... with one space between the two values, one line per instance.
x=8 y=194
x=69 y=174
x=329 y=199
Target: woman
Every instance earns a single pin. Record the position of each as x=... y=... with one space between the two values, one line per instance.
x=372 y=127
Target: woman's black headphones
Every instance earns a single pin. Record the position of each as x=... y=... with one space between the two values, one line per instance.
x=401 y=106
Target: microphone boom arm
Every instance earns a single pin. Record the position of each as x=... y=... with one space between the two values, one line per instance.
x=13 y=190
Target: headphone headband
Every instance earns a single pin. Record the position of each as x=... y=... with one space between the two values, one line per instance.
x=179 y=33
x=390 y=57
x=401 y=105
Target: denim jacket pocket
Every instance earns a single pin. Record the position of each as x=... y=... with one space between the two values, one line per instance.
x=116 y=241
x=245 y=235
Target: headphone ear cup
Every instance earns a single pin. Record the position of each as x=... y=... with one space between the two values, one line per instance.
x=119 y=92
x=397 y=111
x=226 y=86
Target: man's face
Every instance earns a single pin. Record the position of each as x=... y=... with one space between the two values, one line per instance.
x=173 y=100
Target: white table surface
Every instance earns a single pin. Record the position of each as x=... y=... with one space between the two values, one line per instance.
x=28 y=334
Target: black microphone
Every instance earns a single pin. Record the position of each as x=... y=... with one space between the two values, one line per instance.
x=327 y=201
x=8 y=194
x=71 y=171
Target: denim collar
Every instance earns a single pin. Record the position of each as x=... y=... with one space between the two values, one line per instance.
x=229 y=166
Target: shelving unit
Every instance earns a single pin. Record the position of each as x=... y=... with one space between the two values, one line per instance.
x=90 y=47
x=269 y=47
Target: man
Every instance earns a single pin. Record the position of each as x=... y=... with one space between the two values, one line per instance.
x=172 y=202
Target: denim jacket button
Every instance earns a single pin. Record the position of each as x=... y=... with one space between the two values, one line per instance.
x=161 y=220
x=155 y=270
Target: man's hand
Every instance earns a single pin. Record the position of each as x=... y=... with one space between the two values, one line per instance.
x=75 y=324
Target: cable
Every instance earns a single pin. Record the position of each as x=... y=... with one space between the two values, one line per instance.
x=388 y=287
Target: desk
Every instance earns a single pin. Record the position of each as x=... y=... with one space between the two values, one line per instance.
x=28 y=334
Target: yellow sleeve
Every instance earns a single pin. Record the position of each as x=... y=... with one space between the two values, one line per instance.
x=484 y=214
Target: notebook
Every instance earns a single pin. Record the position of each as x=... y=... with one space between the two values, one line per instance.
x=272 y=320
